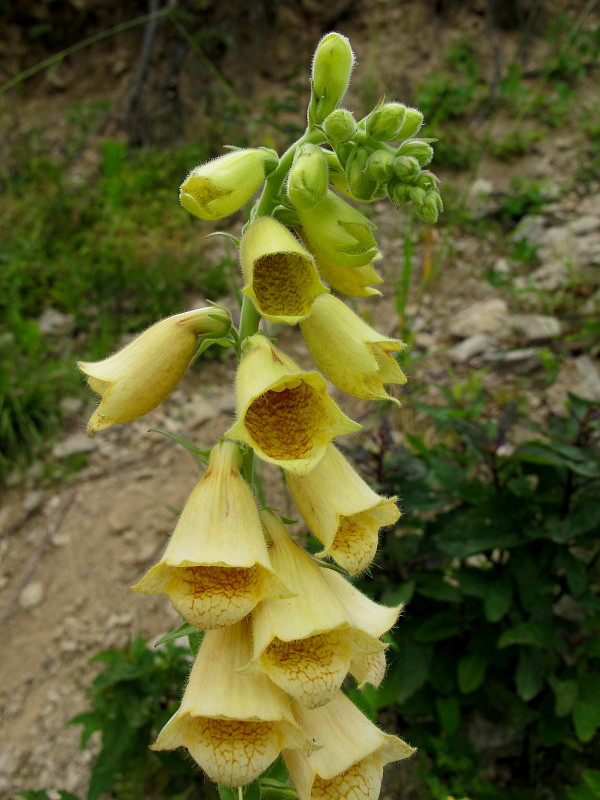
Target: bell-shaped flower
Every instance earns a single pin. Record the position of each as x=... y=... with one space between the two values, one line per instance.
x=350 y=756
x=353 y=281
x=354 y=356
x=369 y=669
x=339 y=231
x=342 y=511
x=283 y=413
x=136 y=379
x=222 y=186
x=216 y=567
x=233 y=726
x=280 y=274
x=307 y=644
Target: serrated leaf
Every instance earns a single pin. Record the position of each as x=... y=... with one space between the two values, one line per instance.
x=470 y=672
x=497 y=598
x=448 y=711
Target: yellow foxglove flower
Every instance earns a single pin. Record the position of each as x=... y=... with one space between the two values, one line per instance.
x=353 y=281
x=342 y=511
x=369 y=669
x=280 y=274
x=349 y=763
x=283 y=413
x=354 y=356
x=306 y=644
x=222 y=186
x=139 y=377
x=216 y=567
x=233 y=726
x=339 y=231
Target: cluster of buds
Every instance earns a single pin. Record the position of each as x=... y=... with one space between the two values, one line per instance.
x=284 y=629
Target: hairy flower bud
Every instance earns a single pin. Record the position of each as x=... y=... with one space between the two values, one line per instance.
x=222 y=186
x=407 y=168
x=431 y=207
x=135 y=380
x=417 y=148
x=361 y=184
x=413 y=122
x=380 y=166
x=331 y=69
x=339 y=126
x=308 y=179
x=384 y=122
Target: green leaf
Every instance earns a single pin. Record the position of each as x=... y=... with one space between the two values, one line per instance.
x=431 y=584
x=529 y=675
x=442 y=625
x=448 y=711
x=470 y=672
x=586 y=711
x=591 y=778
x=201 y=456
x=529 y=633
x=410 y=670
x=565 y=693
x=185 y=629
x=497 y=598
x=115 y=739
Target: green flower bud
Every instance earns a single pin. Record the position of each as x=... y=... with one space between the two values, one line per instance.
x=427 y=180
x=308 y=178
x=384 y=122
x=431 y=207
x=331 y=70
x=417 y=148
x=380 y=166
x=339 y=232
x=417 y=195
x=407 y=168
x=222 y=186
x=398 y=192
x=339 y=126
x=361 y=185
x=411 y=125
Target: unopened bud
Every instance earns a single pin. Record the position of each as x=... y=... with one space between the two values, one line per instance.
x=331 y=70
x=417 y=148
x=427 y=180
x=308 y=179
x=361 y=185
x=407 y=168
x=398 y=192
x=339 y=126
x=411 y=125
x=417 y=195
x=384 y=122
x=431 y=207
x=380 y=166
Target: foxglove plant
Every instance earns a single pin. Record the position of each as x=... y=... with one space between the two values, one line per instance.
x=283 y=632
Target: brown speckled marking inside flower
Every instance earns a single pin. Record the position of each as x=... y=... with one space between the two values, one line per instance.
x=361 y=782
x=285 y=284
x=312 y=669
x=212 y=597
x=233 y=752
x=355 y=542
x=284 y=423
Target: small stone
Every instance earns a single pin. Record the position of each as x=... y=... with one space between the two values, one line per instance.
x=118 y=621
x=501 y=267
x=54 y=323
x=74 y=444
x=33 y=500
x=482 y=200
x=534 y=327
x=71 y=405
x=589 y=223
x=198 y=412
x=550 y=276
x=579 y=376
x=531 y=227
x=472 y=346
x=483 y=317
x=32 y=595
x=521 y=361
x=61 y=540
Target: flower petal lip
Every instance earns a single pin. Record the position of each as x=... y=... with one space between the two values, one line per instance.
x=354 y=356
x=306 y=644
x=283 y=413
x=347 y=517
x=216 y=567
x=349 y=763
x=233 y=726
x=136 y=379
x=280 y=274
x=221 y=187
x=353 y=281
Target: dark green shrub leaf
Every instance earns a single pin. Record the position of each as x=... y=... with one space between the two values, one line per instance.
x=411 y=669
x=470 y=672
x=442 y=625
x=497 y=598
x=586 y=711
x=591 y=778
x=529 y=633
x=529 y=675
x=432 y=584
x=448 y=711
x=565 y=693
